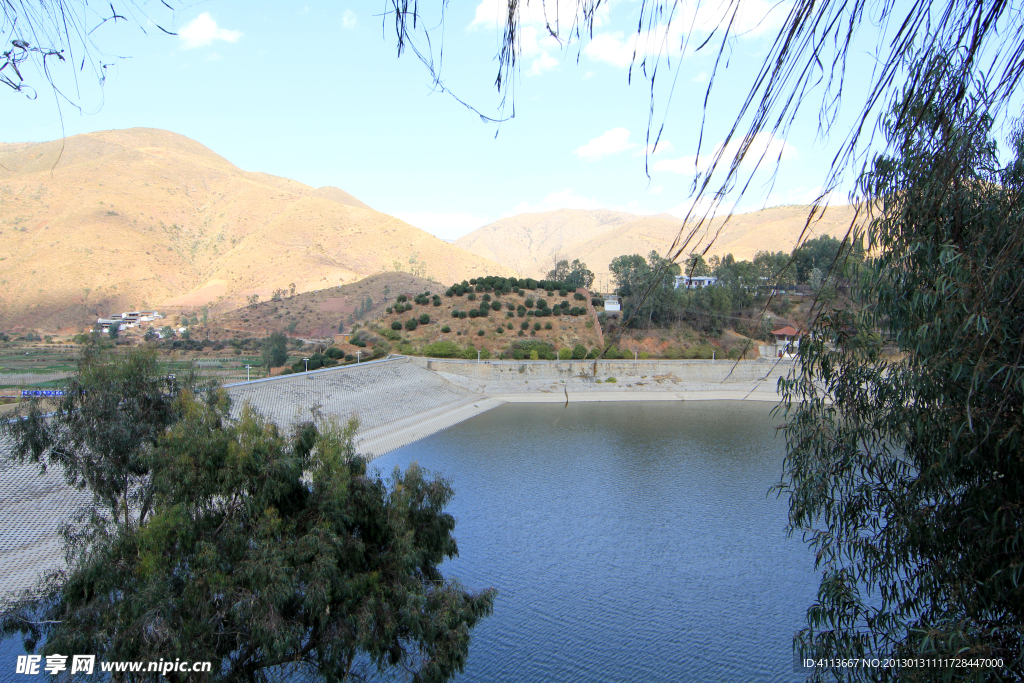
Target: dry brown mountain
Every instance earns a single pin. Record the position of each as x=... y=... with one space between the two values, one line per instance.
x=531 y=243
x=145 y=218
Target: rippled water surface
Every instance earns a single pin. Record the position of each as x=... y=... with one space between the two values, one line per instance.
x=627 y=541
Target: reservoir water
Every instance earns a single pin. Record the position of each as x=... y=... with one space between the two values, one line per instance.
x=627 y=541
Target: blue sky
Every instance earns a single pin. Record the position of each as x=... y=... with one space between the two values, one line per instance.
x=315 y=92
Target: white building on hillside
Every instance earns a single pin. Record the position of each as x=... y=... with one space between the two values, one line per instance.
x=695 y=281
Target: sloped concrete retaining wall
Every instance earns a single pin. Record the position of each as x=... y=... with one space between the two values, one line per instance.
x=579 y=370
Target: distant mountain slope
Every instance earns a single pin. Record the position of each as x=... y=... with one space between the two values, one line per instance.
x=144 y=218
x=531 y=243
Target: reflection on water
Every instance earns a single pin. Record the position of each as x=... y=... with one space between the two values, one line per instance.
x=628 y=541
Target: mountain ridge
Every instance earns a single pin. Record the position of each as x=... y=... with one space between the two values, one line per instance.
x=146 y=218
x=532 y=243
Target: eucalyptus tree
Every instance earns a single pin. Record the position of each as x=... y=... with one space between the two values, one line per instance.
x=227 y=541
x=905 y=465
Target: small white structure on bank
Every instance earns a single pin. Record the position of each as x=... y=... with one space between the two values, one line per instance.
x=695 y=281
x=612 y=303
x=787 y=341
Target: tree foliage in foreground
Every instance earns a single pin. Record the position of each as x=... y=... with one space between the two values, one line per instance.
x=259 y=552
x=906 y=474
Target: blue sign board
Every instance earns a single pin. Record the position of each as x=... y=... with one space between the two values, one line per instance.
x=42 y=392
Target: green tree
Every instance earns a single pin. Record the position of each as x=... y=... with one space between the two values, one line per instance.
x=696 y=265
x=575 y=275
x=103 y=430
x=261 y=553
x=904 y=468
x=630 y=273
x=275 y=350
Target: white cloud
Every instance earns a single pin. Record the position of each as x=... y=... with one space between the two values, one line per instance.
x=203 y=30
x=650 y=150
x=702 y=77
x=348 y=19
x=763 y=144
x=695 y=21
x=612 y=48
x=615 y=140
x=447 y=226
x=543 y=62
x=658 y=189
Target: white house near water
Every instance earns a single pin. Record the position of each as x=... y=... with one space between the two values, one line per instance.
x=695 y=281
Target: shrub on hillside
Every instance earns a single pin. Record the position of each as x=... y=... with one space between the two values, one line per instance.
x=334 y=352
x=391 y=334
x=449 y=292
x=547 y=326
x=401 y=298
x=529 y=302
x=596 y=301
x=543 y=348
x=592 y=354
x=396 y=325
x=486 y=297
x=479 y=333
x=388 y=310
x=534 y=355
x=485 y=354
x=446 y=329
x=471 y=296
x=469 y=353
x=564 y=353
x=579 y=297
x=474 y=313
x=563 y=292
x=500 y=330
x=442 y=349
x=644 y=355
x=495 y=305
x=424 y=319
x=411 y=324
x=579 y=352
x=524 y=325
x=521 y=310
x=349 y=357
x=536 y=326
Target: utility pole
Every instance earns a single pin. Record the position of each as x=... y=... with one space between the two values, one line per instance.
x=247 y=367
x=306 y=361
x=358 y=354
